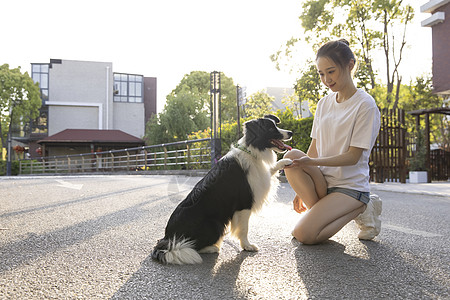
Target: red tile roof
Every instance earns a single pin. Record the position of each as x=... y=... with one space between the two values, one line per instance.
x=92 y=136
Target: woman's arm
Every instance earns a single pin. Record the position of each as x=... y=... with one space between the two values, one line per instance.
x=348 y=158
x=312 y=150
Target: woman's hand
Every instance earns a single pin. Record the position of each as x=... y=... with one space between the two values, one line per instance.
x=300 y=162
x=299 y=206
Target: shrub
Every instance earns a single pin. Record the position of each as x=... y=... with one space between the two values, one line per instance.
x=14 y=167
x=301 y=129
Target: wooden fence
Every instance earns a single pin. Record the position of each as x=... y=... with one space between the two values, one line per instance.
x=388 y=160
x=388 y=157
x=440 y=164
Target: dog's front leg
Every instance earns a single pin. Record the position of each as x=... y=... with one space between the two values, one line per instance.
x=281 y=164
x=239 y=228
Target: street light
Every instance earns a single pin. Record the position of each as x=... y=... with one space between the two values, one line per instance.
x=215 y=92
x=241 y=95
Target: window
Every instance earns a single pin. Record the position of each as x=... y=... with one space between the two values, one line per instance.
x=39 y=73
x=128 y=88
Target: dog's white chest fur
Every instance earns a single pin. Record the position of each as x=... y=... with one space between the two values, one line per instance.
x=261 y=175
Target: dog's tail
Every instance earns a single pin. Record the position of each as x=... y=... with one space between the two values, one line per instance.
x=176 y=251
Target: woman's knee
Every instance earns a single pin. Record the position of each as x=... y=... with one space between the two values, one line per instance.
x=304 y=236
x=294 y=154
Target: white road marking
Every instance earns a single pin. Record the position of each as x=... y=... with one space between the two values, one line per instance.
x=69 y=185
x=410 y=231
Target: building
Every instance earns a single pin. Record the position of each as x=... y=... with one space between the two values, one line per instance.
x=78 y=141
x=439 y=21
x=89 y=95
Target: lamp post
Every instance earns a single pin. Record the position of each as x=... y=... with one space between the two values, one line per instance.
x=215 y=93
x=8 y=158
x=240 y=100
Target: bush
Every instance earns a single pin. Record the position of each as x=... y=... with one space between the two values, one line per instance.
x=418 y=161
x=301 y=129
x=14 y=168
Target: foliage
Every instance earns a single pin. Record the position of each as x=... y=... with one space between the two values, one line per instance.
x=183 y=113
x=229 y=135
x=258 y=104
x=370 y=26
x=418 y=161
x=19 y=99
x=301 y=129
x=418 y=95
x=187 y=108
x=310 y=88
x=201 y=134
x=154 y=132
x=14 y=168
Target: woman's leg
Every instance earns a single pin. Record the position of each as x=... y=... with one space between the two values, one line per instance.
x=327 y=217
x=307 y=182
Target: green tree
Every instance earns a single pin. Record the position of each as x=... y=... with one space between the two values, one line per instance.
x=155 y=133
x=310 y=88
x=369 y=26
x=198 y=84
x=183 y=114
x=258 y=104
x=19 y=99
x=392 y=14
x=187 y=108
x=419 y=95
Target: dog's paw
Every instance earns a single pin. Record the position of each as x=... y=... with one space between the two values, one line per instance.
x=284 y=162
x=249 y=247
x=210 y=249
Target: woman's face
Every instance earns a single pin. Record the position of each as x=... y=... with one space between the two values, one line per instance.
x=332 y=75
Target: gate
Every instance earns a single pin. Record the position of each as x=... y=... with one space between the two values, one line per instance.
x=388 y=157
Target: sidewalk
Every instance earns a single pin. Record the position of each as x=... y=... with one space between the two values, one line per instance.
x=434 y=189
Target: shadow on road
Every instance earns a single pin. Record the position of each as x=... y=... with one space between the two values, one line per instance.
x=327 y=271
x=213 y=279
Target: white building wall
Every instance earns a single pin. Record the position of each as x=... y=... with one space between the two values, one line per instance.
x=75 y=117
x=130 y=118
x=80 y=96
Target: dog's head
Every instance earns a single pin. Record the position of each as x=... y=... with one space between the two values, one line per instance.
x=264 y=134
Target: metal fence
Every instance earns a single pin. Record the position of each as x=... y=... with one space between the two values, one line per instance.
x=192 y=154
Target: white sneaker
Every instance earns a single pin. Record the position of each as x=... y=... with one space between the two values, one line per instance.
x=369 y=221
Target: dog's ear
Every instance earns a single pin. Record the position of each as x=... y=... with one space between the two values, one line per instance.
x=250 y=131
x=273 y=118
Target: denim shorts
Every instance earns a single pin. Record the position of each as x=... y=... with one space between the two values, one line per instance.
x=364 y=197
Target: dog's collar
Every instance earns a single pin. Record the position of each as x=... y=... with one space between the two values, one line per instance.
x=243 y=148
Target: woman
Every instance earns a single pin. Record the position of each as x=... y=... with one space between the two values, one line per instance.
x=332 y=179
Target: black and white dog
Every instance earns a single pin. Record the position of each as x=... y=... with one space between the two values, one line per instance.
x=238 y=185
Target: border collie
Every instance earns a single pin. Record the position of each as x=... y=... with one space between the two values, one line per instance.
x=238 y=185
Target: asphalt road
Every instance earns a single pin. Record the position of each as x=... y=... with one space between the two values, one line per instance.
x=91 y=237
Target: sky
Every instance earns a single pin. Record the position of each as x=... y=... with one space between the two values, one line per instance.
x=170 y=38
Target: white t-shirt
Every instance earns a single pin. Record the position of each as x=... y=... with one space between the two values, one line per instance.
x=337 y=126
